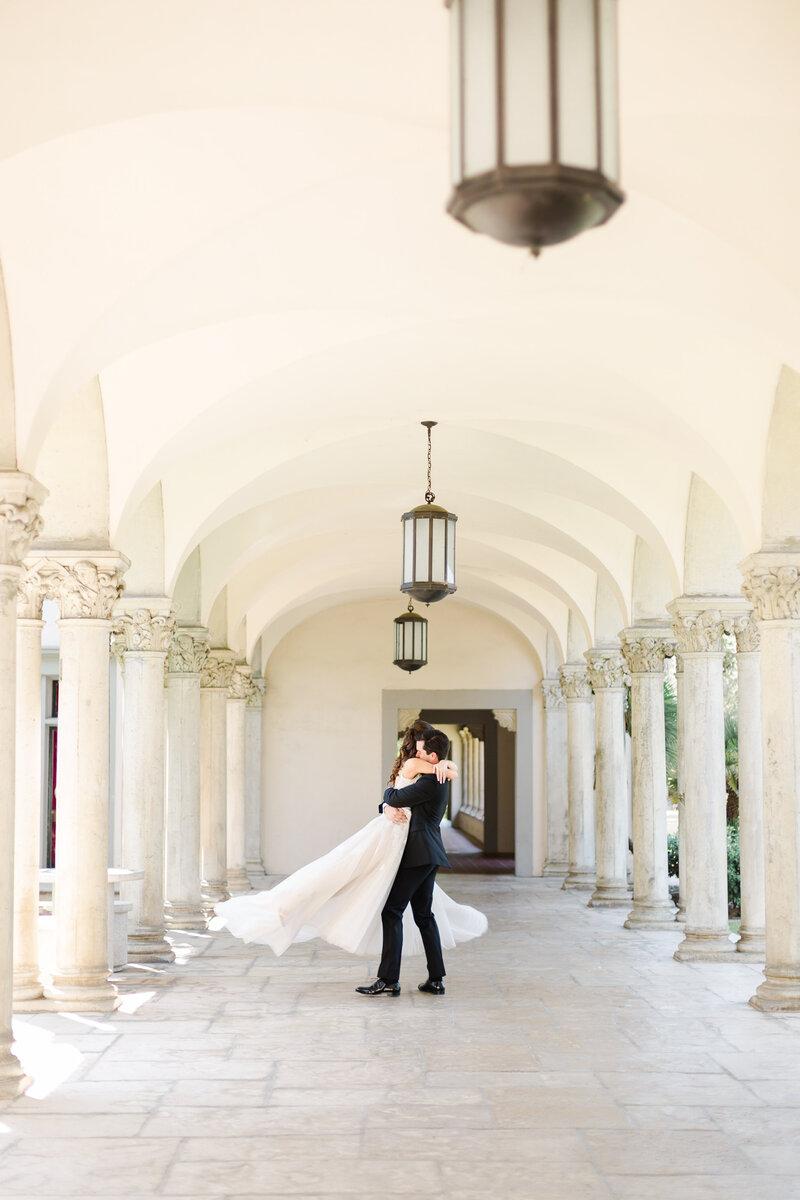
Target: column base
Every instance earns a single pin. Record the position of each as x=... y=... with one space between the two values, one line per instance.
x=580 y=881
x=238 y=881
x=779 y=992
x=681 y=917
x=27 y=984
x=189 y=918
x=752 y=942
x=609 y=895
x=149 y=945
x=651 y=916
x=555 y=868
x=714 y=946
x=213 y=894
x=94 y=994
x=13 y=1080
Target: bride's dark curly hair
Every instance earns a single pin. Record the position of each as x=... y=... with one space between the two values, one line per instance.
x=408 y=749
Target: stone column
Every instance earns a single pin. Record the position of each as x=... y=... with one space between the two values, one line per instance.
x=683 y=832
x=580 y=777
x=143 y=630
x=28 y=808
x=698 y=624
x=751 y=790
x=20 y=523
x=644 y=649
x=555 y=725
x=187 y=656
x=609 y=682
x=86 y=585
x=255 y=703
x=772 y=584
x=215 y=682
x=236 y=755
x=482 y=779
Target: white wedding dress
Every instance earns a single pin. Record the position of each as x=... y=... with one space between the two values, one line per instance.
x=339 y=898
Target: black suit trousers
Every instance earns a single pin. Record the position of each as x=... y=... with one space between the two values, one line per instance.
x=414 y=884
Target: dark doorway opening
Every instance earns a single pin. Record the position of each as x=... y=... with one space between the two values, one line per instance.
x=480 y=839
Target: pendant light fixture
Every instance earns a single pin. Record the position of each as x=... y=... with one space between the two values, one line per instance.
x=534 y=118
x=410 y=640
x=429 y=546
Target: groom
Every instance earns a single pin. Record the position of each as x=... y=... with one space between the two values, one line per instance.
x=416 y=875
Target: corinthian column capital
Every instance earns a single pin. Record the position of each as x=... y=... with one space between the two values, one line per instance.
x=255 y=692
x=772 y=585
x=748 y=638
x=84 y=583
x=144 y=626
x=553 y=696
x=218 y=670
x=699 y=622
x=188 y=650
x=645 y=647
x=575 y=682
x=240 y=681
x=606 y=670
x=20 y=523
x=31 y=596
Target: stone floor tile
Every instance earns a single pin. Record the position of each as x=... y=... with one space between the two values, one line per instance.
x=63 y=1176
x=276 y=1146
x=120 y=1096
x=672 y=1116
x=55 y=1125
x=671 y=1152
x=193 y=1121
x=631 y=1087
x=216 y=1093
x=578 y=1181
x=703 y=1187
x=358 y=1177
x=347 y=1074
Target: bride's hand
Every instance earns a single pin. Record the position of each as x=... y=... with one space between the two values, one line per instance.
x=394 y=814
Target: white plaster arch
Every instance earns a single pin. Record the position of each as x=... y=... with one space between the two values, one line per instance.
x=651 y=588
x=8 y=439
x=781 y=512
x=713 y=545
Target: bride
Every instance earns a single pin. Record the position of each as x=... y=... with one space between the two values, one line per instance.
x=339 y=897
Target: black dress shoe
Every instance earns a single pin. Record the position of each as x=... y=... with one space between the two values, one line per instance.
x=434 y=986
x=380 y=988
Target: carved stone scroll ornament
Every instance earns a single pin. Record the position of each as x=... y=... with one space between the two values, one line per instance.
x=575 y=682
x=506 y=718
x=240 y=682
x=20 y=524
x=188 y=651
x=645 y=653
x=748 y=638
x=554 y=700
x=606 y=670
x=255 y=692
x=9 y=588
x=217 y=672
x=82 y=588
x=406 y=718
x=143 y=631
x=699 y=632
x=31 y=596
x=772 y=587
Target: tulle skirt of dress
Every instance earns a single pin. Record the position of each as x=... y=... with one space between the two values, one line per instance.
x=339 y=898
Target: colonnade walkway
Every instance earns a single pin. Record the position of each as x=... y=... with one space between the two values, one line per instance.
x=569 y=1059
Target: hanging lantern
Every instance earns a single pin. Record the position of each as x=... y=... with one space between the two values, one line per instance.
x=410 y=641
x=429 y=546
x=534 y=118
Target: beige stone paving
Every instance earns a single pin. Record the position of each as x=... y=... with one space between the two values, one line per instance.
x=570 y=1060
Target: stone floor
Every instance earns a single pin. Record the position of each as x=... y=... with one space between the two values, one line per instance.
x=569 y=1060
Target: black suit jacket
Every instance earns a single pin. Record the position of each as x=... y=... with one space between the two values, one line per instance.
x=427 y=800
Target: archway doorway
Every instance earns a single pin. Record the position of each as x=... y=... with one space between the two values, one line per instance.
x=480 y=835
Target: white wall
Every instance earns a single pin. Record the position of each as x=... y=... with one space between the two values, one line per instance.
x=323 y=774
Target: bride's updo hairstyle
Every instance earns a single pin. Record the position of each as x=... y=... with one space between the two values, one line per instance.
x=415 y=733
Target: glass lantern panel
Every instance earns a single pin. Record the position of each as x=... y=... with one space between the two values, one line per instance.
x=609 y=96
x=577 y=84
x=437 y=565
x=398 y=640
x=455 y=89
x=526 y=51
x=422 y=531
x=450 y=565
x=408 y=550
x=423 y=642
x=480 y=86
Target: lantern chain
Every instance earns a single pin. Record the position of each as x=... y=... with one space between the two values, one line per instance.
x=429 y=496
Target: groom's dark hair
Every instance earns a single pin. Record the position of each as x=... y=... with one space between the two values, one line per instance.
x=437 y=743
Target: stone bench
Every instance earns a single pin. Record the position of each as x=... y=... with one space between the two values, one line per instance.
x=117 y=916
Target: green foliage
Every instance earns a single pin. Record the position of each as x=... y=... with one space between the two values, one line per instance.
x=671 y=737
x=734 y=883
x=672 y=853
